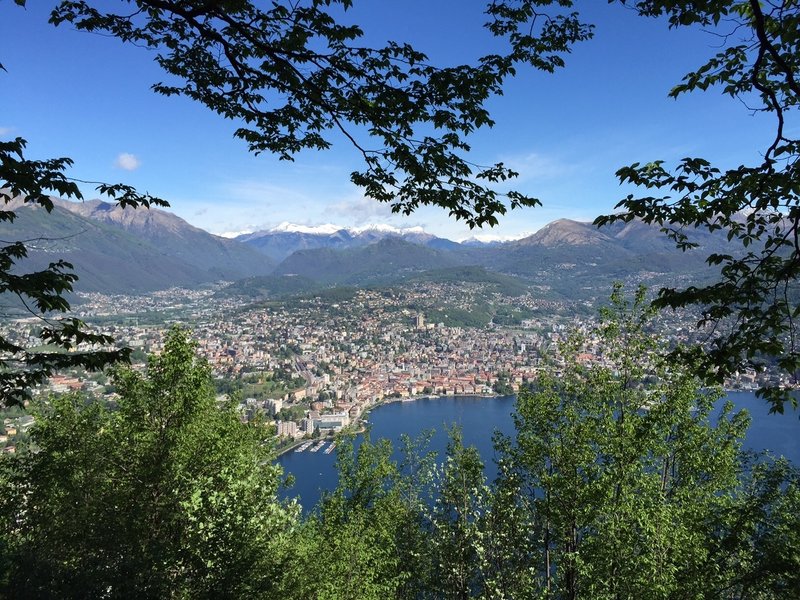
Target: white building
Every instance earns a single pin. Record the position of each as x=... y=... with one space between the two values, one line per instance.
x=288 y=429
x=332 y=421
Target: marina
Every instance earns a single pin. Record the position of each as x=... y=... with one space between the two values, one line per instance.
x=316 y=446
x=304 y=447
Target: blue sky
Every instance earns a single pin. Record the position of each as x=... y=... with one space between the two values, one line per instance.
x=88 y=97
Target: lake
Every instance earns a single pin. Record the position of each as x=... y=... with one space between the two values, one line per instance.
x=480 y=417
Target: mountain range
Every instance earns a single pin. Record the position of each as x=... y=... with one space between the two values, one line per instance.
x=282 y=241
x=117 y=250
x=565 y=259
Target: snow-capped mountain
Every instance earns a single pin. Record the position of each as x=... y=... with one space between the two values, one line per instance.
x=286 y=227
x=287 y=238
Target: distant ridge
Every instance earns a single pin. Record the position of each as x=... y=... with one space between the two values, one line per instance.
x=221 y=258
x=565 y=232
x=280 y=242
x=140 y=250
x=128 y=251
x=386 y=260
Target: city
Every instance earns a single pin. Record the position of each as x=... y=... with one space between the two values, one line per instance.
x=315 y=364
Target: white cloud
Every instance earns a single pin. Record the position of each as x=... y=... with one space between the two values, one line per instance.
x=128 y=162
x=244 y=206
x=537 y=167
x=358 y=210
x=6 y=130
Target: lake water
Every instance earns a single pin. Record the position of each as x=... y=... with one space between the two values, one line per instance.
x=480 y=417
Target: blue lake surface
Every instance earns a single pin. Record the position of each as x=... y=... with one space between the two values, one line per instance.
x=479 y=418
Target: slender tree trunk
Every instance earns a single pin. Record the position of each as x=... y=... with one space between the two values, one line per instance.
x=571 y=574
x=547 y=555
x=547 y=542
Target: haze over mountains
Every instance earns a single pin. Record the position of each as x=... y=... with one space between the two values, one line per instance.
x=117 y=250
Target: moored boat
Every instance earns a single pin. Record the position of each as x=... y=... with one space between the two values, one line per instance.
x=304 y=447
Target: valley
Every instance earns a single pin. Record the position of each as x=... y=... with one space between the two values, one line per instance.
x=304 y=323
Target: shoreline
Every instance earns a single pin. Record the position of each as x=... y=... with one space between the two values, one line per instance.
x=289 y=447
x=440 y=396
x=362 y=418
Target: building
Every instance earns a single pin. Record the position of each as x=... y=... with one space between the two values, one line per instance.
x=274 y=406
x=288 y=429
x=307 y=426
x=332 y=422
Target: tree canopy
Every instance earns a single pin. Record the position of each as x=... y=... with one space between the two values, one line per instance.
x=751 y=311
x=291 y=73
x=168 y=495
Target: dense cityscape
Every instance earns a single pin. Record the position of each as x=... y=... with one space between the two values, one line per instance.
x=315 y=364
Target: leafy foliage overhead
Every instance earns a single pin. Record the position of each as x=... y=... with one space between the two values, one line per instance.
x=290 y=74
x=752 y=310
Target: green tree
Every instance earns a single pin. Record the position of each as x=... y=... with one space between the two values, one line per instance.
x=502 y=385
x=752 y=308
x=508 y=549
x=628 y=483
x=767 y=526
x=455 y=539
x=367 y=533
x=169 y=496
